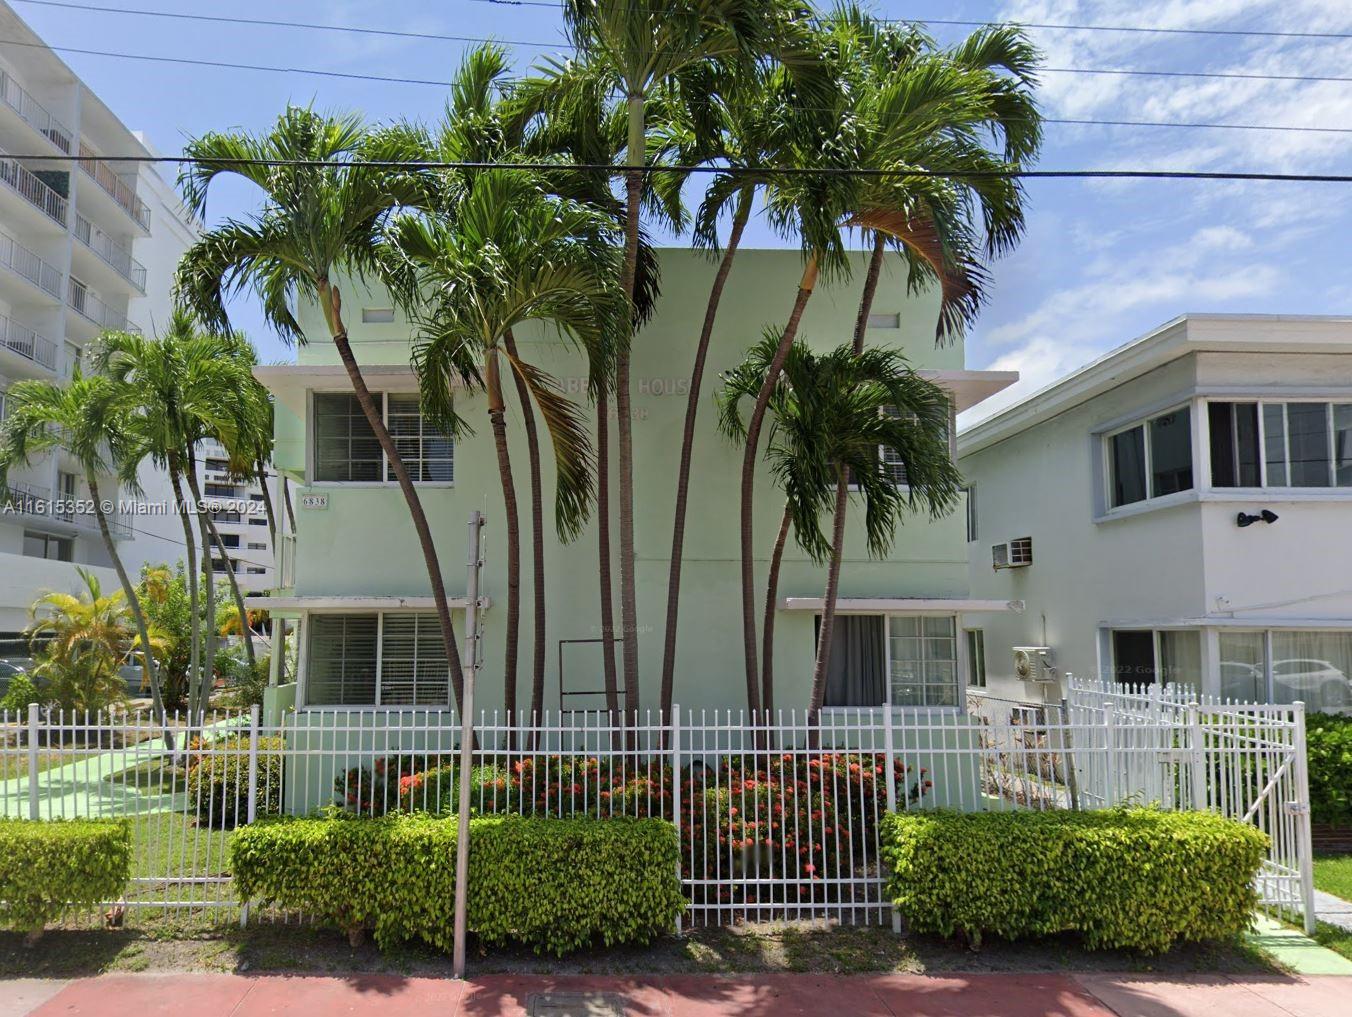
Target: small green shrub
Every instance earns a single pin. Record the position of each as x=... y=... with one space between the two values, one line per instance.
x=52 y=867
x=218 y=781
x=1328 y=747
x=1134 y=878
x=20 y=693
x=553 y=884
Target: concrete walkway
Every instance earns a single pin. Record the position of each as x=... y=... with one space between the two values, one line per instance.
x=1334 y=910
x=976 y=995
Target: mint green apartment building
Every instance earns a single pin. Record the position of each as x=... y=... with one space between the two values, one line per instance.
x=354 y=580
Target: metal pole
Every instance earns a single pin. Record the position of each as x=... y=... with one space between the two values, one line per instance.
x=251 y=807
x=676 y=789
x=890 y=774
x=1301 y=810
x=475 y=563
x=32 y=760
x=1197 y=757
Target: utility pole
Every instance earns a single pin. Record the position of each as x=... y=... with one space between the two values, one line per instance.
x=475 y=564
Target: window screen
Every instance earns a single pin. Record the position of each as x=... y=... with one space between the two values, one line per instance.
x=345 y=446
x=428 y=454
x=342 y=660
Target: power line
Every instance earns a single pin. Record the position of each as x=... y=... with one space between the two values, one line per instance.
x=788 y=171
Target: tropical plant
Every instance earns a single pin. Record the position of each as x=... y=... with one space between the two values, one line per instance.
x=163 y=592
x=88 y=421
x=323 y=212
x=831 y=416
x=78 y=641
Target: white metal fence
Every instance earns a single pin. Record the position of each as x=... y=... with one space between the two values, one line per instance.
x=777 y=820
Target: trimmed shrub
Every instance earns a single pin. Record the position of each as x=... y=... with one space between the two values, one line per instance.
x=552 y=884
x=218 y=781
x=1135 y=878
x=51 y=867
x=1328 y=748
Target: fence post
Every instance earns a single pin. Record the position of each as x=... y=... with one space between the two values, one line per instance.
x=32 y=760
x=1302 y=817
x=251 y=808
x=1109 y=754
x=1197 y=756
x=676 y=790
x=889 y=749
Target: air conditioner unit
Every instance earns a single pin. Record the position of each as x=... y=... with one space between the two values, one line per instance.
x=1013 y=554
x=1034 y=664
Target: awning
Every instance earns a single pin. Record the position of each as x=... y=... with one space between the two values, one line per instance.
x=902 y=605
x=343 y=605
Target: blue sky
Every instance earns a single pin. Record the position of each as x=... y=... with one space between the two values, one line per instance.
x=1101 y=262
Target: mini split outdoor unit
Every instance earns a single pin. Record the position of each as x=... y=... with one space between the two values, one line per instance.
x=1033 y=664
x=1014 y=554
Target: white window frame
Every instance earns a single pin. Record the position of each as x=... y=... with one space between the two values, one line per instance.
x=303 y=667
x=1263 y=486
x=980 y=635
x=310 y=446
x=1143 y=422
x=961 y=663
x=1110 y=651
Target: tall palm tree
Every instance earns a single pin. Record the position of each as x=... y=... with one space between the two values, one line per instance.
x=504 y=252
x=832 y=414
x=642 y=49
x=323 y=212
x=87 y=420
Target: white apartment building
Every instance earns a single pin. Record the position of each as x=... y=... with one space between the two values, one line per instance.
x=1180 y=510
x=85 y=245
x=240 y=518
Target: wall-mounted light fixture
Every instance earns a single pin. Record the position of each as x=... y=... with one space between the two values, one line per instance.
x=1266 y=516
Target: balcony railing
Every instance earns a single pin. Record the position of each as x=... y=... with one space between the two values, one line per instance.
x=27 y=343
x=22 y=261
x=120 y=191
x=89 y=306
x=32 y=188
x=110 y=251
x=14 y=96
x=40 y=502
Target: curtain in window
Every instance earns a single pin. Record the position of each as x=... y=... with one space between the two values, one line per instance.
x=1181 y=658
x=1243 y=666
x=1313 y=668
x=854 y=674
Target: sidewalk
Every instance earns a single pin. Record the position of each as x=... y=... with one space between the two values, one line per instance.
x=976 y=995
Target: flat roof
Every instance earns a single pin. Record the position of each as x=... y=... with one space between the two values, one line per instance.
x=1188 y=333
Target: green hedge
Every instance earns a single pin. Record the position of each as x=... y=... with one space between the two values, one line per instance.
x=1136 y=878
x=1328 y=747
x=553 y=884
x=51 y=867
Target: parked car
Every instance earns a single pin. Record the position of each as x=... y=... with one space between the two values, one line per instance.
x=8 y=669
x=1318 y=683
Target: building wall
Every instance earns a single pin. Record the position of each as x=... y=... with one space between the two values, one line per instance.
x=363 y=544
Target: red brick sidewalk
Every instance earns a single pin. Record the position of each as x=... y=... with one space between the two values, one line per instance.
x=982 y=995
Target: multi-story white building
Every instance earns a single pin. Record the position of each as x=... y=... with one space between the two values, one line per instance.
x=1180 y=510
x=241 y=520
x=85 y=245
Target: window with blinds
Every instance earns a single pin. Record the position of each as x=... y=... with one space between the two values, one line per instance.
x=382 y=659
x=893 y=468
x=346 y=449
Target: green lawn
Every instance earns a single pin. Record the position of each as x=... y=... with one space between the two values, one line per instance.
x=1333 y=874
x=1336 y=939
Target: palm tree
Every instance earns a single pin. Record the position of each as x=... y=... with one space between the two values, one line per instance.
x=832 y=414
x=503 y=253
x=79 y=640
x=324 y=209
x=640 y=50
x=86 y=419
x=936 y=112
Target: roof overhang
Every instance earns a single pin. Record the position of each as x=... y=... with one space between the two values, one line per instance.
x=290 y=382
x=970 y=387
x=903 y=605
x=347 y=605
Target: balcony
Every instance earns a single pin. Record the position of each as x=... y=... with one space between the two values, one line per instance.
x=117 y=188
x=32 y=189
x=38 y=502
x=27 y=343
x=115 y=255
x=91 y=307
x=21 y=261
x=16 y=98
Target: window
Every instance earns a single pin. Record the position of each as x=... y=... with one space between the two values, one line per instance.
x=1285 y=666
x=893 y=467
x=382 y=659
x=1150 y=459
x=45 y=545
x=923 y=660
x=223 y=565
x=971 y=514
x=220 y=491
x=890 y=319
x=223 y=516
x=346 y=449
x=257 y=499
x=256 y=546
x=65 y=486
x=976 y=658
x=1303 y=444
x=257 y=570
x=377 y=315
x=1147 y=657
x=217 y=465
x=230 y=539
x=256 y=521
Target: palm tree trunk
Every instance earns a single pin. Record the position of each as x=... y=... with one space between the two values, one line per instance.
x=496 y=408
x=209 y=595
x=190 y=550
x=829 y=604
x=739 y=219
x=331 y=303
x=624 y=428
x=768 y=626
x=261 y=472
x=537 y=533
x=134 y=603
x=875 y=265
x=245 y=631
x=753 y=429
x=610 y=675
x=290 y=510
